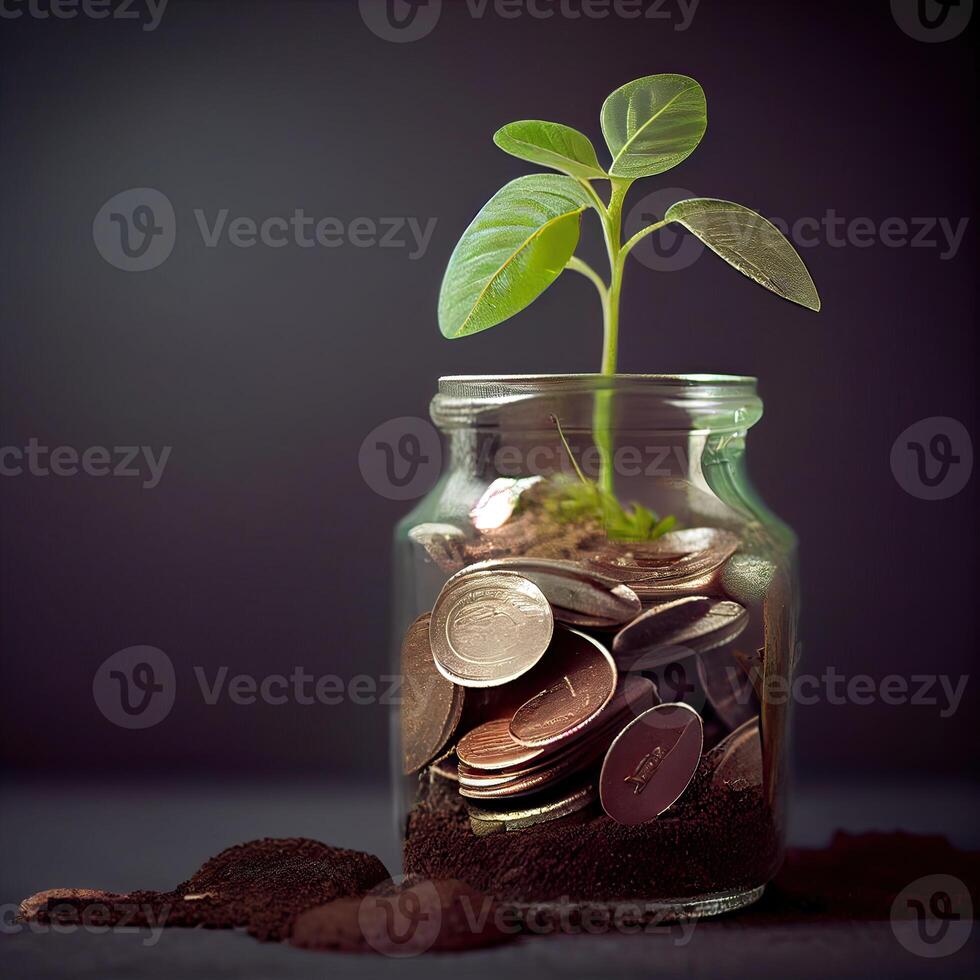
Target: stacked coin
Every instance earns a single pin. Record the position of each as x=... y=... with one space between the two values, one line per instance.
x=524 y=684
x=493 y=764
x=676 y=564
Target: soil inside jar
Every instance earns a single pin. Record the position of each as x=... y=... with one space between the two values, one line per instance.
x=713 y=839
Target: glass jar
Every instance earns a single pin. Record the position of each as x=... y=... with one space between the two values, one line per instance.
x=552 y=468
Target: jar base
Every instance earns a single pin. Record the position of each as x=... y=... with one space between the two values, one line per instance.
x=641 y=912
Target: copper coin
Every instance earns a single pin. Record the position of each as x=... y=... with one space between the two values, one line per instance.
x=552 y=768
x=634 y=695
x=469 y=776
x=728 y=688
x=583 y=682
x=474 y=776
x=490 y=749
x=541 y=777
x=431 y=705
x=577 y=594
x=488 y=628
x=672 y=557
x=502 y=702
x=651 y=763
x=491 y=746
x=672 y=630
x=736 y=760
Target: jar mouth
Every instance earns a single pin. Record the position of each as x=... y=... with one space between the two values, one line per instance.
x=451 y=381
x=679 y=402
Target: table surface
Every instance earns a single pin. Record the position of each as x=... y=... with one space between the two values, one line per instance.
x=140 y=835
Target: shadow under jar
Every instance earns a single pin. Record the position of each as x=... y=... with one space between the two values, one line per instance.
x=596 y=627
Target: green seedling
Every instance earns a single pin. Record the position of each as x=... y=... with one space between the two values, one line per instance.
x=526 y=235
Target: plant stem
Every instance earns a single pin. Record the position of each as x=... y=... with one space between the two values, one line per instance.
x=612 y=221
x=612 y=226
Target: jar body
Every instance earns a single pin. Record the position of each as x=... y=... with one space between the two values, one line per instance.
x=531 y=467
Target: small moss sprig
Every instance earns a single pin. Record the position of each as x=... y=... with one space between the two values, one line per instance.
x=580 y=500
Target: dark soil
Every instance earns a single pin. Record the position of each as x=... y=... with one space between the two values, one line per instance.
x=711 y=840
x=261 y=886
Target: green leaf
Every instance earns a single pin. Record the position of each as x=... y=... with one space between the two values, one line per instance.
x=653 y=123
x=751 y=244
x=513 y=250
x=552 y=145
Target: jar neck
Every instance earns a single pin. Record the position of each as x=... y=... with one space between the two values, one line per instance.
x=654 y=426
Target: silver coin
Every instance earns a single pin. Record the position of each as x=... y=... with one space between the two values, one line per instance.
x=443 y=543
x=578 y=595
x=672 y=630
x=488 y=628
x=484 y=821
x=670 y=559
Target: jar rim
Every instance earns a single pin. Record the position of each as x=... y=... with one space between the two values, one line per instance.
x=711 y=401
x=456 y=385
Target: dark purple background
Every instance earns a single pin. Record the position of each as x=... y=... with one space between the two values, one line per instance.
x=264 y=369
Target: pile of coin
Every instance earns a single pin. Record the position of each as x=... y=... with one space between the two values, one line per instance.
x=528 y=683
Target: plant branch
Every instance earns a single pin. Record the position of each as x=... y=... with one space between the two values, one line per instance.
x=594 y=194
x=577 y=265
x=628 y=245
